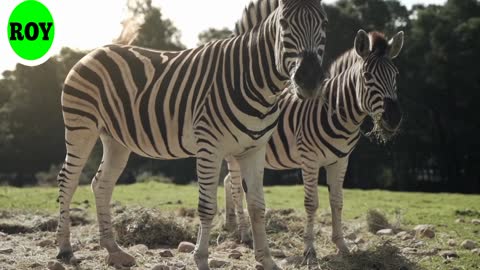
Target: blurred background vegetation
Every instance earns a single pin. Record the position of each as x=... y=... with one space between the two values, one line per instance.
x=439 y=90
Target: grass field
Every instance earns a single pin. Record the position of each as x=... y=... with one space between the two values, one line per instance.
x=409 y=209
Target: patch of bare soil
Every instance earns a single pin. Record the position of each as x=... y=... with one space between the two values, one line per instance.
x=27 y=241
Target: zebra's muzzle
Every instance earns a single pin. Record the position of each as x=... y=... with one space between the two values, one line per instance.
x=309 y=76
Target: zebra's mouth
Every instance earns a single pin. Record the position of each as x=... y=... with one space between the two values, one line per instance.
x=381 y=131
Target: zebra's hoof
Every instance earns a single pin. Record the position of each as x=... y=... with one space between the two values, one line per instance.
x=309 y=257
x=120 y=259
x=342 y=248
x=66 y=256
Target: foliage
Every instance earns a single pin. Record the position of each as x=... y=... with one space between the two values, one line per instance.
x=212 y=34
x=437 y=149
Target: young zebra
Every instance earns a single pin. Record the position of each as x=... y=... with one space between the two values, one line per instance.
x=214 y=101
x=323 y=132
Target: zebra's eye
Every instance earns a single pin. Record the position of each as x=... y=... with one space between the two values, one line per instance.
x=324 y=24
x=368 y=76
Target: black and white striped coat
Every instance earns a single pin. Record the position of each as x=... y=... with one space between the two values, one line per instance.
x=215 y=101
x=323 y=132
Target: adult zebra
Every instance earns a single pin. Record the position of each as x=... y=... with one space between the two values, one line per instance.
x=217 y=100
x=323 y=132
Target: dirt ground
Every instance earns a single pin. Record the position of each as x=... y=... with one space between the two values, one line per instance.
x=28 y=242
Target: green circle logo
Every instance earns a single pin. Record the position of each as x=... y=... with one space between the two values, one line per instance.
x=31 y=30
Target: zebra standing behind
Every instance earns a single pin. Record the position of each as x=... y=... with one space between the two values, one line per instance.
x=215 y=101
x=323 y=132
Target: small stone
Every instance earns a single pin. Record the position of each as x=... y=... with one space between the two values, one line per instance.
x=277 y=253
x=258 y=267
x=35 y=265
x=235 y=254
x=385 y=232
x=476 y=221
x=476 y=251
x=447 y=254
x=6 y=251
x=166 y=253
x=2 y=234
x=409 y=250
x=403 y=235
x=418 y=244
x=45 y=243
x=54 y=265
x=459 y=220
x=161 y=267
x=186 y=247
x=425 y=230
x=139 y=248
x=468 y=244
x=215 y=263
x=452 y=242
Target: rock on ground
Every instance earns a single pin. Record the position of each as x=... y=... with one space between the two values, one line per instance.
x=161 y=267
x=476 y=221
x=425 y=230
x=215 y=263
x=55 y=266
x=476 y=251
x=45 y=243
x=452 y=242
x=469 y=244
x=6 y=251
x=186 y=247
x=166 y=253
x=235 y=254
x=277 y=253
x=448 y=254
x=385 y=232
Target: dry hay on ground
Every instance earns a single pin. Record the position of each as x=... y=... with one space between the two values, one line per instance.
x=146 y=232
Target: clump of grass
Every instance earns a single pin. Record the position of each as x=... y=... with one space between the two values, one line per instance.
x=384 y=256
x=29 y=223
x=376 y=221
x=151 y=228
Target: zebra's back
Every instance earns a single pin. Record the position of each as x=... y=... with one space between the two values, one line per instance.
x=133 y=94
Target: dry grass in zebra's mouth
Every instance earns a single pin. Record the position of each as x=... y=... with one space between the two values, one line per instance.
x=380 y=132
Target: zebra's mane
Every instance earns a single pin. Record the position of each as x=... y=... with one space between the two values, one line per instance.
x=379 y=47
x=254 y=13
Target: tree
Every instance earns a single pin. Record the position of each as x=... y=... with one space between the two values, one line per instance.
x=212 y=34
x=155 y=32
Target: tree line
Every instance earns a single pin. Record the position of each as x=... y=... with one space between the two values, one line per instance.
x=438 y=88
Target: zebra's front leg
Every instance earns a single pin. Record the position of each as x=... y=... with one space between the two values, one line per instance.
x=208 y=171
x=335 y=176
x=114 y=160
x=234 y=201
x=310 y=185
x=230 y=216
x=252 y=167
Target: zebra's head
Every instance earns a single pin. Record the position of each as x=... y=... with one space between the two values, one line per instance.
x=377 y=93
x=300 y=44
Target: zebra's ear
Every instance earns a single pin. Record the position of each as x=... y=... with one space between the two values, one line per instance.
x=395 y=45
x=362 y=44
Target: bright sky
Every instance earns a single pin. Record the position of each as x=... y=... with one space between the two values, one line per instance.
x=87 y=24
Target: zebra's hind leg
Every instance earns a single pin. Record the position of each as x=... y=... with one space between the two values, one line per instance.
x=234 y=201
x=114 y=160
x=230 y=217
x=252 y=168
x=79 y=144
x=310 y=185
